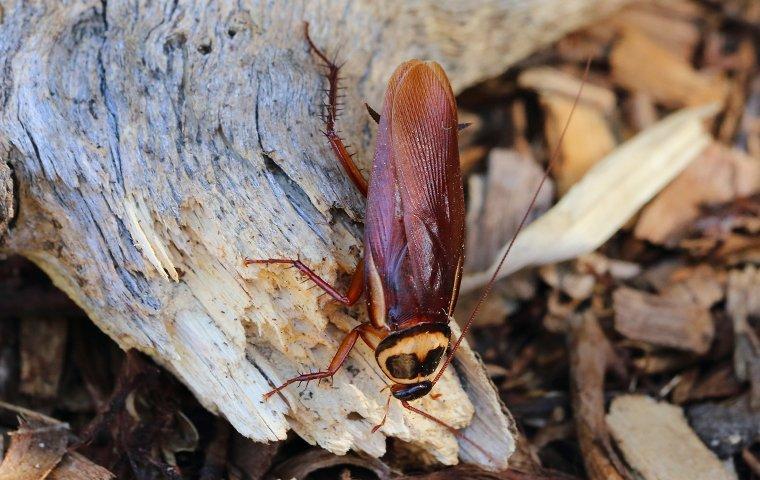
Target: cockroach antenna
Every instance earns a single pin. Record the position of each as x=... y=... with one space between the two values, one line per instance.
x=489 y=286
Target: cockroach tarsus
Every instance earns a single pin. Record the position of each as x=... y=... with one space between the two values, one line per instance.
x=414 y=233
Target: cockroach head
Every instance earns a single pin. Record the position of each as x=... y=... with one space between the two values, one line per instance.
x=411 y=358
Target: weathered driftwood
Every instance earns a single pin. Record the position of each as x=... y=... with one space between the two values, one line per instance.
x=157 y=144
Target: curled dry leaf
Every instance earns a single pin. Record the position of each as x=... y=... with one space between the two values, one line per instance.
x=658 y=443
x=607 y=196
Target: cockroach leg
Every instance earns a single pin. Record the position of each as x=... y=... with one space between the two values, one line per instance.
x=332 y=107
x=355 y=289
x=448 y=427
x=337 y=361
x=385 y=415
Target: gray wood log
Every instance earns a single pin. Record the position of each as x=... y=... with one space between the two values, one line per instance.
x=156 y=144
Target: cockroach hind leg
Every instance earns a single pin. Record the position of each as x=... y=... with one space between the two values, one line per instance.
x=457 y=433
x=385 y=415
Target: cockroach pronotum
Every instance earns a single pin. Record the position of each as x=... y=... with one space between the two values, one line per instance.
x=413 y=234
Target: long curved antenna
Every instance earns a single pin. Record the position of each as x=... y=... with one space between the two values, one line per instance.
x=489 y=285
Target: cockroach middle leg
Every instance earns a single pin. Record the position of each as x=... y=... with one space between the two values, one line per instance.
x=332 y=108
x=360 y=331
x=355 y=289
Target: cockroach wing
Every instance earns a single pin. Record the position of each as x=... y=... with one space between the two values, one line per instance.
x=414 y=231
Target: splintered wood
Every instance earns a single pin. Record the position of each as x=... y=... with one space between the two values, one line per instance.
x=658 y=443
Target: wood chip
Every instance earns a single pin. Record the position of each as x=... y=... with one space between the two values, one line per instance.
x=499 y=204
x=78 y=467
x=587 y=140
x=719 y=175
x=35 y=450
x=664 y=321
x=547 y=80
x=674 y=33
x=657 y=441
x=744 y=301
x=701 y=284
x=640 y=64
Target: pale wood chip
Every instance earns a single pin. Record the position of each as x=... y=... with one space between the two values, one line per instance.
x=657 y=441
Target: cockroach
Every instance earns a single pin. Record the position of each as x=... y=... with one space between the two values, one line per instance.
x=413 y=236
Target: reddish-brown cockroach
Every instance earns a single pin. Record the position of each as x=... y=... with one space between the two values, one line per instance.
x=413 y=236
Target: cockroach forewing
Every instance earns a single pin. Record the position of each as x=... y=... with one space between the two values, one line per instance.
x=415 y=210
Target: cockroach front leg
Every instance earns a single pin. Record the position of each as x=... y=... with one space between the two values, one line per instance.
x=332 y=108
x=363 y=331
x=355 y=289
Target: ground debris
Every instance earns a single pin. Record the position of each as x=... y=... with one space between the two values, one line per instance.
x=664 y=321
x=658 y=443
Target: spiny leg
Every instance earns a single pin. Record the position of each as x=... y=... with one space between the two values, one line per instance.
x=348 y=342
x=355 y=289
x=332 y=108
x=448 y=427
x=385 y=415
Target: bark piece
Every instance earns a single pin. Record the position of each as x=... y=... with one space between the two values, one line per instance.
x=657 y=441
x=607 y=196
x=77 y=467
x=664 y=321
x=591 y=355
x=162 y=142
x=42 y=345
x=718 y=175
x=35 y=450
x=641 y=65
